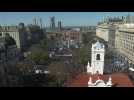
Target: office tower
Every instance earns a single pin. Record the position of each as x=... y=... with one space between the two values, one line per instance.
x=59 y=25
x=52 y=22
x=40 y=19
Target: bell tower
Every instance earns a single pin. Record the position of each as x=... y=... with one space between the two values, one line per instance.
x=97 y=62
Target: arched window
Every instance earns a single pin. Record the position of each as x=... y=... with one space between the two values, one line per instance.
x=98 y=57
x=97 y=72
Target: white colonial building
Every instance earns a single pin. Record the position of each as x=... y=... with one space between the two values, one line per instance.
x=100 y=83
x=97 y=66
x=97 y=62
x=18 y=33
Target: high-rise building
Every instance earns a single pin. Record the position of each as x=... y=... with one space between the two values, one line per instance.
x=34 y=21
x=124 y=43
x=59 y=25
x=18 y=33
x=40 y=19
x=120 y=40
x=52 y=22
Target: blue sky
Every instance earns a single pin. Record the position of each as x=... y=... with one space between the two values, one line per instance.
x=68 y=18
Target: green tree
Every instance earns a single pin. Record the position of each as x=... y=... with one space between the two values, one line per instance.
x=38 y=80
x=30 y=79
x=80 y=58
x=39 y=57
x=44 y=44
x=9 y=40
x=85 y=38
x=84 y=55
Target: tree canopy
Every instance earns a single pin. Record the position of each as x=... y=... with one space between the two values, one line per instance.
x=39 y=57
x=9 y=40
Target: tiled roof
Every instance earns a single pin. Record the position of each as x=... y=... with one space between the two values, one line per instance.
x=118 y=80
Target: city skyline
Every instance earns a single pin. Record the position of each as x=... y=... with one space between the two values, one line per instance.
x=74 y=56
x=67 y=18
